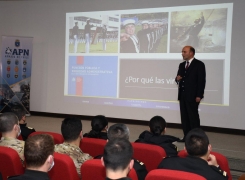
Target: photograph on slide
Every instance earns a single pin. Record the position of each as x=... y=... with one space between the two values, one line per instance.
x=93 y=33
x=144 y=33
x=203 y=29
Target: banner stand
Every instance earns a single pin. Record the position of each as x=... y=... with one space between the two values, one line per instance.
x=15 y=77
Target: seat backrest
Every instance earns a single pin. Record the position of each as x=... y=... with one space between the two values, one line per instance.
x=10 y=164
x=242 y=177
x=150 y=155
x=92 y=146
x=20 y=137
x=221 y=160
x=58 y=138
x=132 y=174
x=167 y=174
x=64 y=168
x=223 y=163
x=93 y=169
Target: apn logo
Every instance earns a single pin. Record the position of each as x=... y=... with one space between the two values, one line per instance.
x=17 y=43
x=24 y=52
x=8 y=51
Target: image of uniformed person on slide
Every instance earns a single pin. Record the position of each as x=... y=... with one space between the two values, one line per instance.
x=193 y=31
x=87 y=31
x=129 y=42
x=143 y=37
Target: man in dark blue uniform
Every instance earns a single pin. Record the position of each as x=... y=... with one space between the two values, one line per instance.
x=117 y=159
x=121 y=131
x=38 y=151
x=21 y=114
x=199 y=159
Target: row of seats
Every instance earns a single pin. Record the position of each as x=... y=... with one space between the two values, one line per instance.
x=95 y=147
x=64 y=167
x=92 y=169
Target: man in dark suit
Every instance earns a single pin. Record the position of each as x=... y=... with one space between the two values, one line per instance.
x=191 y=78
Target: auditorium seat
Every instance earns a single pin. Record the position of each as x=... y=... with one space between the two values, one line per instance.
x=64 y=168
x=20 y=137
x=10 y=162
x=93 y=169
x=221 y=160
x=150 y=155
x=242 y=177
x=58 y=138
x=93 y=146
x=166 y=174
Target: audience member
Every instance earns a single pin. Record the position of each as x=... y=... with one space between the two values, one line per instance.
x=117 y=159
x=157 y=136
x=71 y=130
x=39 y=150
x=21 y=114
x=199 y=159
x=99 y=126
x=10 y=129
x=121 y=131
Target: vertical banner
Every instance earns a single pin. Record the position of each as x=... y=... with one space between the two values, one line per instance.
x=15 y=76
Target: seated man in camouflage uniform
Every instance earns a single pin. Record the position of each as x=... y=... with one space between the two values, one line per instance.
x=21 y=114
x=71 y=130
x=10 y=129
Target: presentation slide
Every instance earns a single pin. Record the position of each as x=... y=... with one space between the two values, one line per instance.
x=130 y=57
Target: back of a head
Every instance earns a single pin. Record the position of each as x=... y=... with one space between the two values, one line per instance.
x=157 y=125
x=37 y=149
x=99 y=123
x=71 y=128
x=19 y=111
x=7 y=121
x=196 y=142
x=118 y=131
x=117 y=154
